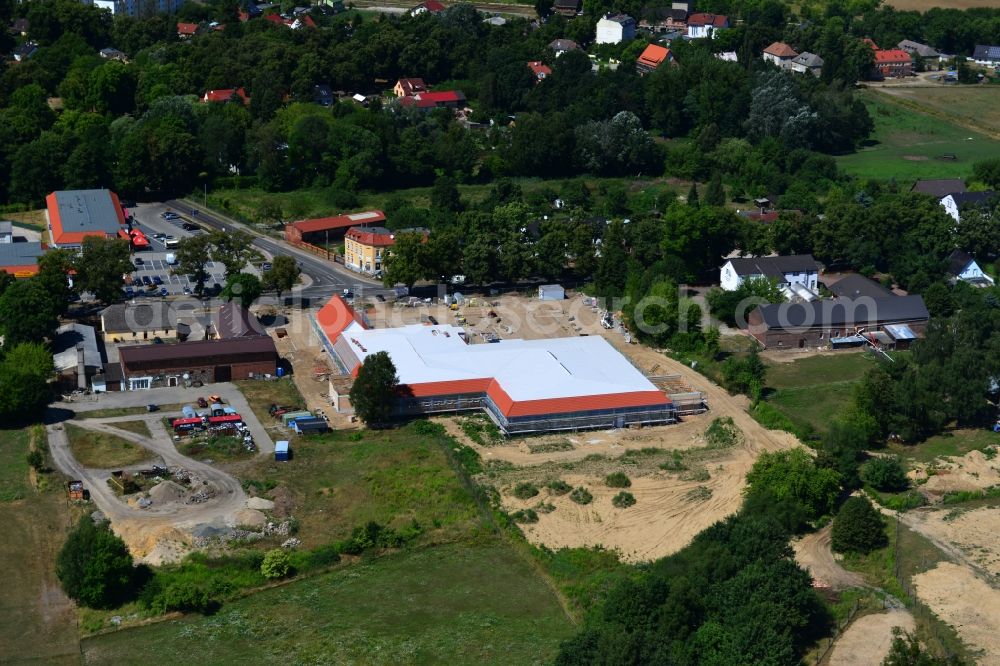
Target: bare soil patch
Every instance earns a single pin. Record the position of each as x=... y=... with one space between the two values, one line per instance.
x=814 y=554
x=973 y=471
x=868 y=639
x=967 y=603
x=973 y=531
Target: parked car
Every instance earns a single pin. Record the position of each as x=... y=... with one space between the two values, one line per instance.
x=152 y=408
x=164 y=292
x=187 y=291
x=157 y=280
x=129 y=292
x=159 y=236
x=146 y=281
x=202 y=403
x=187 y=226
x=139 y=261
x=171 y=216
x=266 y=266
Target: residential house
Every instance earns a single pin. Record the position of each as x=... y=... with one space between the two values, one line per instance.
x=323 y=229
x=125 y=322
x=566 y=8
x=293 y=22
x=918 y=49
x=806 y=62
x=24 y=51
x=560 y=46
x=75 y=355
x=780 y=54
x=664 y=20
x=496 y=21
x=137 y=8
x=408 y=87
x=615 y=29
x=187 y=30
x=72 y=215
x=20 y=27
x=893 y=63
x=705 y=25
x=652 y=57
x=857 y=286
x=792 y=273
x=207 y=361
x=20 y=259
x=956 y=202
x=986 y=55
x=939 y=188
x=323 y=95
x=428 y=7
x=727 y=56
x=225 y=95
x=961 y=266
x=365 y=248
x=539 y=69
x=891 y=320
x=113 y=54
x=445 y=99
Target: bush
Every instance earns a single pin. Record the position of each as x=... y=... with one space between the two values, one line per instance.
x=95 y=567
x=793 y=475
x=617 y=480
x=276 y=564
x=525 y=516
x=525 y=490
x=722 y=433
x=36 y=460
x=885 y=474
x=428 y=428
x=858 y=527
x=581 y=496
x=558 y=487
x=623 y=500
x=675 y=463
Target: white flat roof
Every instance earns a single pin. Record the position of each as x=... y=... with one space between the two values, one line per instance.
x=525 y=369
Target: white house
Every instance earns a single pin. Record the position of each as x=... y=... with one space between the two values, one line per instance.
x=705 y=25
x=138 y=8
x=797 y=274
x=807 y=63
x=963 y=267
x=956 y=201
x=987 y=55
x=780 y=54
x=615 y=29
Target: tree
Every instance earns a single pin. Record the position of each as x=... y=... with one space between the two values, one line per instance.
x=987 y=172
x=692 y=195
x=282 y=276
x=234 y=248
x=95 y=567
x=244 y=288
x=54 y=268
x=793 y=475
x=885 y=474
x=551 y=253
x=906 y=651
x=612 y=266
x=445 y=195
x=405 y=263
x=193 y=255
x=858 y=527
x=715 y=195
x=24 y=382
x=373 y=394
x=101 y=265
x=745 y=375
x=276 y=564
x=27 y=312
x=732 y=307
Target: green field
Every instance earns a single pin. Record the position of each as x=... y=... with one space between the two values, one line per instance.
x=13 y=464
x=908 y=144
x=951 y=443
x=103 y=451
x=974 y=107
x=448 y=604
x=813 y=391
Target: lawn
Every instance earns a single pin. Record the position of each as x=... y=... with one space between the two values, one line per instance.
x=124 y=411
x=103 y=451
x=951 y=443
x=215 y=447
x=971 y=106
x=908 y=145
x=261 y=395
x=813 y=391
x=14 y=483
x=138 y=427
x=343 y=480
x=447 y=604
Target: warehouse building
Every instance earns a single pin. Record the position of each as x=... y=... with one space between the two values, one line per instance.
x=522 y=385
x=205 y=361
x=73 y=215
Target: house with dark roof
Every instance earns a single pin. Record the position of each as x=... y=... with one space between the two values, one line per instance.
x=939 y=188
x=615 y=29
x=560 y=46
x=918 y=49
x=20 y=26
x=409 y=86
x=113 y=54
x=24 y=51
x=790 y=272
x=206 y=361
x=987 y=55
x=20 y=259
x=75 y=354
x=652 y=57
x=961 y=266
x=72 y=215
x=780 y=54
x=807 y=63
x=566 y=7
x=323 y=95
x=957 y=202
x=704 y=26
x=127 y=322
x=234 y=321
x=856 y=286
x=831 y=322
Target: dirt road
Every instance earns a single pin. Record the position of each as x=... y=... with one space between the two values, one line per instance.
x=813 y=552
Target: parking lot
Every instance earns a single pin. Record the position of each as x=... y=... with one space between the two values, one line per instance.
x=148 y=219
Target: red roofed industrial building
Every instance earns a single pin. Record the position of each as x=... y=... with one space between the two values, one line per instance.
x=225 y=95
x=572 y=383
x=72 y=215
x=652 y=57
x=21 y=259
x=322 y=229
x=893 y=62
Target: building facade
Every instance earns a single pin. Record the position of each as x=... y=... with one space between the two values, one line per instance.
x=205 y=361
x=138 y=8
x=780 y=54
x=615 y=29
x=797 y=269
x=365 y=248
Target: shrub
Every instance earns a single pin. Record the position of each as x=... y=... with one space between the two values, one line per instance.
x=525 y=516
x=95 y=567
x=188 y=597
x=558 y=487
x=36 y=460
x=794 y=475
x=617 y=480
x=276 y=564
x=675 y=463
x=581 y=496
x=623 y=500
x=699 y=494
x=885 y=474
x=858 y=527
x=722 y=433
x=525 y=490
x=428 y=428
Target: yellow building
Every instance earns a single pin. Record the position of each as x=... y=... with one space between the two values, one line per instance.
x=136 y=323
x=365 y=248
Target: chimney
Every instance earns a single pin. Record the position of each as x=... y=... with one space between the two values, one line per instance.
x=81 y=369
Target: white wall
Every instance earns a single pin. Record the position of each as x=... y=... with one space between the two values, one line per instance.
x=730 y=281
x=951 y=207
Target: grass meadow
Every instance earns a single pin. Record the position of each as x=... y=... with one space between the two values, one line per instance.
x=908 y=144
x=446 y=604
x=102 y=450
x=14 y=445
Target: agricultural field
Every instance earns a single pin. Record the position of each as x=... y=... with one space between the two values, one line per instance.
x=431 y=605
x=974 y=107
x=814 y=390
x=924 y=5
x=908 y=145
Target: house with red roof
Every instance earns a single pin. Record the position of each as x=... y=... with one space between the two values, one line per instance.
x=323 y=229
x=187 y=30
x=365 y=248
x=444 y=99
x=225 y=95
x=72 y=215
x=539 y=69
x=21 y=259
x=780 y=54
x=428 y=7
x=891 y=63
x=410 y=86
x=705 y=26
x=652 y=57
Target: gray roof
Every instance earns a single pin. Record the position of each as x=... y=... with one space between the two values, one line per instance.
x=940 y=187
x=88 y=210
x=773 y=267
x=920 y=49
x=987 y=53
x=807 y=59
x=6 y=227
x=971 y=198
x=620 y=19
x=563 y=45
x=20 y=254
x=155 y=316
x=855 y=285
x=958 y=261
x=235 y=321
x=845 y=312
x=68 y=337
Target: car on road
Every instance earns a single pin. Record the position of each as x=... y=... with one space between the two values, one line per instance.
x=146 y=281
x=157 y=280
x=129 y=292
x=380 y=298
x=187 y=226
x=216 y=289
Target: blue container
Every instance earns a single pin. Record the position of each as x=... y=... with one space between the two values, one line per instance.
x=280 y=372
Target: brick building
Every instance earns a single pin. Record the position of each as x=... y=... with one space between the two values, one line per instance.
x=322 y=229
x=207 y=361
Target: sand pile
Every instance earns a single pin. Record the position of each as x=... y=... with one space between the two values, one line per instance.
x=250 y=518
x=165 y=492
x=260 y=504
x=973 y=471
